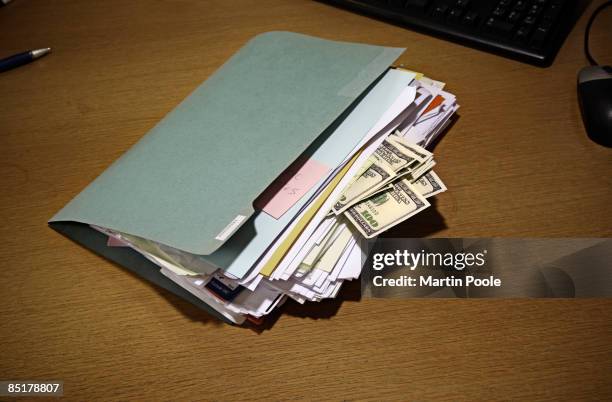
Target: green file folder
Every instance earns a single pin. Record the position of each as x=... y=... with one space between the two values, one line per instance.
x=191 y=181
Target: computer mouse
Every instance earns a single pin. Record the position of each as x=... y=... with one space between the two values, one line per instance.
x=595 y=97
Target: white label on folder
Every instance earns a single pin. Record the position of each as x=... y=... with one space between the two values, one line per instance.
x=231 y=228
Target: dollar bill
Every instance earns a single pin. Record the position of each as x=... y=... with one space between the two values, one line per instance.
x=397 y=157
x=378 y=174
x=369 y=194
x=429 y=185
x=375 y=191
x=424 y=157
x=421 y=170
x=385 y=210
x=401 y=160
x=421 y=152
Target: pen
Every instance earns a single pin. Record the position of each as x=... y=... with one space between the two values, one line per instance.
x=22 y=58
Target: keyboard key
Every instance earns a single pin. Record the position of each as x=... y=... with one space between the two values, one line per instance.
x=546 y=25
x=514 y=16
x=534 y=10
x=522 y=33
x=499 y=26
x=470 y=18
x=440 y=11
x=454 y=14
x=520 y=5
x=499 y=12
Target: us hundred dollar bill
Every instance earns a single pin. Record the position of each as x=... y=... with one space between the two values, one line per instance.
x=385 y=210
x=372 y=193
x=429 y=185
x=397 y=157
x=421 y=170
x=421 y=152
x=424 y=157
x=378 y=174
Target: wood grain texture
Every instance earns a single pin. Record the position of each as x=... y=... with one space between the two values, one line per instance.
x=517 y=163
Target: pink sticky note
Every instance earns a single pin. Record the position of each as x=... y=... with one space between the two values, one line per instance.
x=290 y=186
x=114 y=242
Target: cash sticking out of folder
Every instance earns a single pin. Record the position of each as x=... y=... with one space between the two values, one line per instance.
x=351 y=136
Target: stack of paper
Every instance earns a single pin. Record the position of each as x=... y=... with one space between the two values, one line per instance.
x=303 y=241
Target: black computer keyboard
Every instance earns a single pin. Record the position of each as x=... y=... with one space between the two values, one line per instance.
x=527 y=30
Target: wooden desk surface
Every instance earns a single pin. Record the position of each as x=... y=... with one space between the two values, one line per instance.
x=517 y=163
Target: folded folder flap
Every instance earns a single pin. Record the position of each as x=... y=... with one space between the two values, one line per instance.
x=191 y=181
